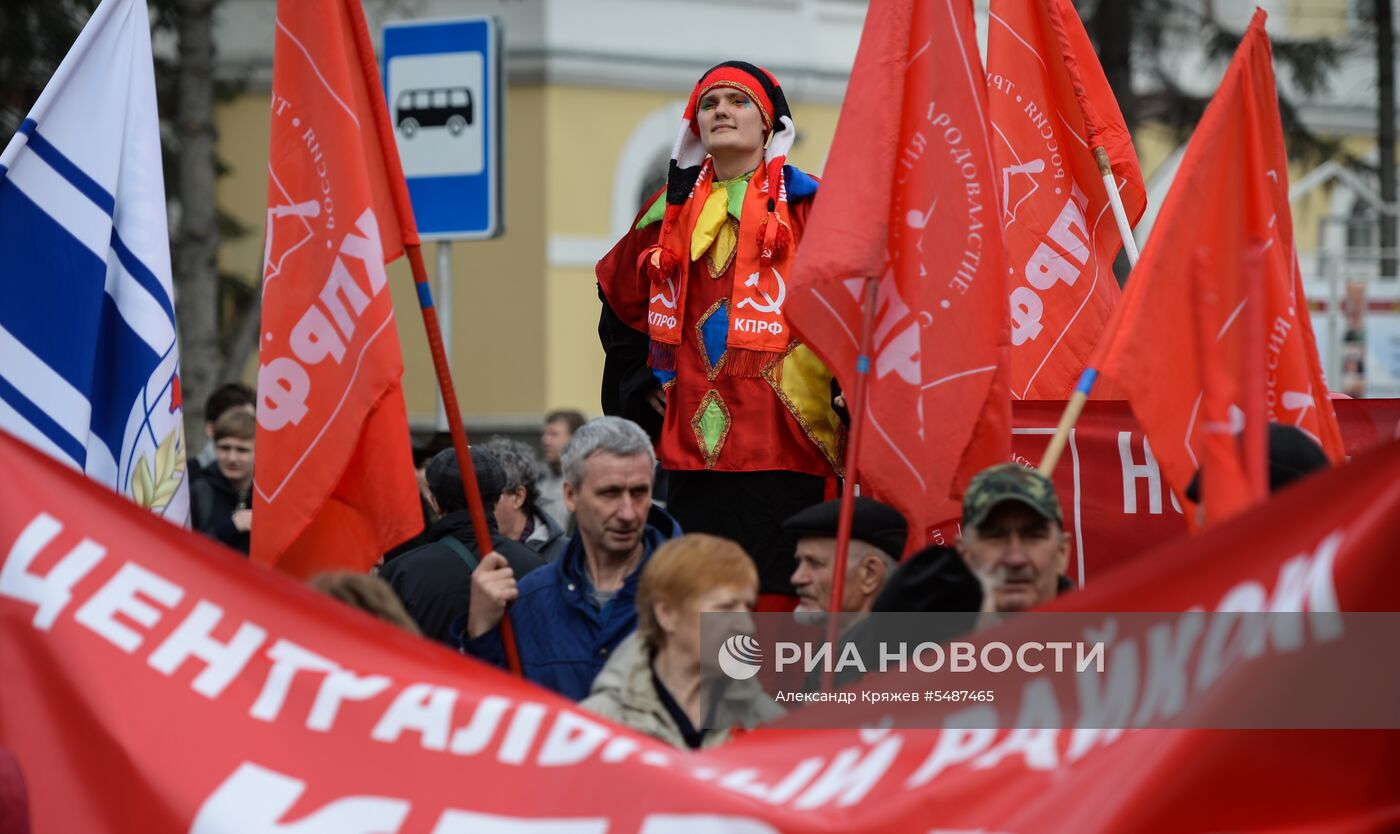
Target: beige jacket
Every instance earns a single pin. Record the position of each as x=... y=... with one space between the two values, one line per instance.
x=624 y=692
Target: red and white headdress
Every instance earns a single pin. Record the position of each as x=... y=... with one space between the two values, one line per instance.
x=757 y=327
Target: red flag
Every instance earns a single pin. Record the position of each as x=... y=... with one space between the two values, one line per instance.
x=1224 y=484
x=334 y=483
x=186 y=692
x=1231 y=197
x=908 y=197
x=1050 y=107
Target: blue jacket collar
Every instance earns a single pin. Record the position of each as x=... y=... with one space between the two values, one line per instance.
x=660 y=527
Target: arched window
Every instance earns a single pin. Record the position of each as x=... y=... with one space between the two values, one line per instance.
x=642 y=163
x=1363 y=234
x=654 y=181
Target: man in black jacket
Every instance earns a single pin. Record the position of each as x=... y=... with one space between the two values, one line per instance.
x=434 y=581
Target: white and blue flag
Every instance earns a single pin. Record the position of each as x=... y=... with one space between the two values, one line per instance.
x=89 y=366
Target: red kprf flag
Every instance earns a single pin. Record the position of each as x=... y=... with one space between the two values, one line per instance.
x=1050 y=106
x=909 y=198
x=1228 y=209
x=334 y=485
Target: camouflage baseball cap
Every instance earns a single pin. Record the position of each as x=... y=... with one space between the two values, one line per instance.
x=1010 y=482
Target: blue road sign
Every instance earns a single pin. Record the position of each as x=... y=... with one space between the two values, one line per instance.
x=442 y=82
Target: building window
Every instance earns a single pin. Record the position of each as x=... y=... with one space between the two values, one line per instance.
x=654 y=181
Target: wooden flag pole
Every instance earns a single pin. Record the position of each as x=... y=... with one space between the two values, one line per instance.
x=458 y=431
x=1073 y=409
x=857 y=404
x=1075 y=406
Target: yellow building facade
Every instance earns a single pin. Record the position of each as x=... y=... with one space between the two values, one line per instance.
x=592 y=105
x=584 y=135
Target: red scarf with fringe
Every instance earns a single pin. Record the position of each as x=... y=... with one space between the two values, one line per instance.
x=758 y=329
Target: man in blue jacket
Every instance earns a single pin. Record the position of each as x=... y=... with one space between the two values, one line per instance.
x=569 y=615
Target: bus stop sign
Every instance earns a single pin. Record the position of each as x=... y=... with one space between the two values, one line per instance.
x=442 y=82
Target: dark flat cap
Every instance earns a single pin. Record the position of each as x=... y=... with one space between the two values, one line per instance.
x=934 y=580
x=445 y=479
x=872 y=522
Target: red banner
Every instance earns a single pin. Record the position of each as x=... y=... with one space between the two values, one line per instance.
x=1225 y=219
x=334 y=483
x=1060 y=233
x=909 y=198
x=155 y=682
x=1117 y=502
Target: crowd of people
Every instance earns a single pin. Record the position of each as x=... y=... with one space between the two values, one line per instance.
x=710 y=485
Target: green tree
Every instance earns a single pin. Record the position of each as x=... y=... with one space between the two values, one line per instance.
x=1139 y=39
x=34 y=37
x=1379 y=14
x=1146 y=38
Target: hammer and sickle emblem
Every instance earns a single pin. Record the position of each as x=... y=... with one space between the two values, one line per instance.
x=1300 y=402
x=669 y=302
x=771 y=305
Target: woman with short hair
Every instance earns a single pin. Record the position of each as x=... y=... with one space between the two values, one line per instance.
x=655 y=682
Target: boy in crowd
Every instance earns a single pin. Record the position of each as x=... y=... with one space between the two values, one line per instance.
x=221 y=498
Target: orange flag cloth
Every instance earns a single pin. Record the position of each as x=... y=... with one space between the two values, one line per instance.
x=1228 y=207
x=1050 y=106
x=909 y=198
x=334 y=484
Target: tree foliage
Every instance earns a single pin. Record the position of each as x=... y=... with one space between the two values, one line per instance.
x=34 y=37
x=1150 y=39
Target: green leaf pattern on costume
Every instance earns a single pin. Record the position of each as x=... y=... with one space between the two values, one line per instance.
x=713 y=422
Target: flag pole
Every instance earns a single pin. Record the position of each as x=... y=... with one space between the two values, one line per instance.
x=458 y=431
x=403 y=206
x=1085 y=385
x=1068 y=418
x=1110 y=187
x=858 y=408
x=1252 y=377
x=1082 y=389
x=1093 y=128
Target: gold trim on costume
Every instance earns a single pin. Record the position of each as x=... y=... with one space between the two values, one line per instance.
x=833 y=455
x=711 y=372
x=711 y=455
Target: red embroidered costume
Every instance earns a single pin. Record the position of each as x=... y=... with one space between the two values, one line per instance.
x=693 y=307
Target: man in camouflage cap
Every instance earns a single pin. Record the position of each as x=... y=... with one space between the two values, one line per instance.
x=1013 y=536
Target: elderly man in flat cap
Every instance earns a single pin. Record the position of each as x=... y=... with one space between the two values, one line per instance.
x=878 y=533
x=1013 y=537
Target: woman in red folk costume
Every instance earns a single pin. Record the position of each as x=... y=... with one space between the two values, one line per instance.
x=699 y=350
